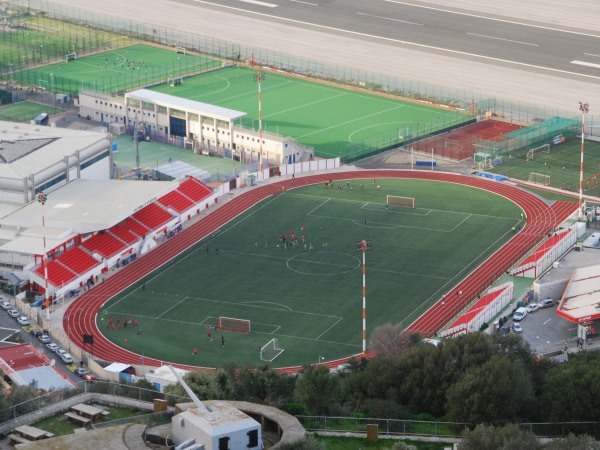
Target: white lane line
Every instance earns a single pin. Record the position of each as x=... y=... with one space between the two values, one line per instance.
x=256 y=2
x=502 y=39
x=495 y=19
x=591 y=54
x=414 y=44
x=584 y=63
x=389 y=18
x=304 y=3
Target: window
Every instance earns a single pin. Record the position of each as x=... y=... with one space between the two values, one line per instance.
x=224 y=443
x=252 y=438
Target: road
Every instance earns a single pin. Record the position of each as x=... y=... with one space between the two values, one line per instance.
x=428 y=28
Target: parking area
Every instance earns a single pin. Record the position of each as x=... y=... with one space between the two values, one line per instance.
x=546 y=332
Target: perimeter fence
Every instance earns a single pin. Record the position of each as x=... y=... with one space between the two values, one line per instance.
x=70 y=29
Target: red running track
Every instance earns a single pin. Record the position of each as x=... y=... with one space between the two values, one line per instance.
x=80 y=317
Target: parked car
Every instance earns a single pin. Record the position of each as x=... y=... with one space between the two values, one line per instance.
x=504 y=330
x=67 y=359
x=60 y=351
x=520 y=314
x=44 y=339
x=14 y=313
x=6 y=305
x=517 y=327
x=22 y=320
x=532 y=307
x=85 y=374
x=52 y=347
x=36 y=332
x=546 y=303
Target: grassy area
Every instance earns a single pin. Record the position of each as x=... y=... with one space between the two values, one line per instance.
x=333 y=120
x=314 y=307
x=352 y=443
x=60 y=425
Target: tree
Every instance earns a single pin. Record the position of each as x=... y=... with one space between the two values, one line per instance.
x=572 y=389
x=495 y=391
x=318 y=389
x=389 y=339
x=509 y=437
x=206 y=385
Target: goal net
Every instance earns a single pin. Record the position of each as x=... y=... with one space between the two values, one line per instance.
x=180 y=50
x=235 y=325
x=177 y=81
x=270 y=351
x=402 y=201
x=70 y=57
x=541 y=149
x=539 y=178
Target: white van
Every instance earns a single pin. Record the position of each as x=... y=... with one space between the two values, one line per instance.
x=520 y=314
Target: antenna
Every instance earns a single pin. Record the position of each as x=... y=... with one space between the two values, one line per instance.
x=193 y=396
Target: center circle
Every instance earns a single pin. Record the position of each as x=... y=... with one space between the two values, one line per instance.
x=323 y=263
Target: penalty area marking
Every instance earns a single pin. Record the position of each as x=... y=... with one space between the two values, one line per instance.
x=342 y=268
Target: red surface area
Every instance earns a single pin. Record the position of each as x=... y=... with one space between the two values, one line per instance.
x=541 y=219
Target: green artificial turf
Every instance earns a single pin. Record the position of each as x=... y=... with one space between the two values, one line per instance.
x=311 y=301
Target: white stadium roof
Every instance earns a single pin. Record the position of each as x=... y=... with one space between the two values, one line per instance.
x=184 y=104
x=81 y=206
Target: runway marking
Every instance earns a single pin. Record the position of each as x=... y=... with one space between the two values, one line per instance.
x=584 y=63
x=430 y=47
x=304 y=3
x=389 y=18
x=502 y=39
x=256 y=2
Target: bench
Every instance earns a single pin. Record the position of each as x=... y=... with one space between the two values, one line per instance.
x=16 y=439
x=77 y=418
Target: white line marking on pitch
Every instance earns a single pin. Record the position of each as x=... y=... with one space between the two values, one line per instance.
x=389 y=18
x=502 y=39
x=584 y=63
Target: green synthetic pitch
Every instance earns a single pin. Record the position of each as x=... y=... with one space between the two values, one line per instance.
x=116 y=70
x=559 y=168
x=25 y=111
x=311 y=301
x=318 y=115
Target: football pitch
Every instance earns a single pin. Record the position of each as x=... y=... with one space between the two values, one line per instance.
x=25 y=111
x=331 y=119
x=115 y=71
x=307 y=292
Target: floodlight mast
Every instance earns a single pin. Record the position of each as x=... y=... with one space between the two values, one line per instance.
x=364 y=246
x=584 y=108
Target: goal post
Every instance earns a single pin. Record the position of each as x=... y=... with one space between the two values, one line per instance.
x=70 y=56
x=176 y=81
x=541 y=149
x=270 y=350
x=539 y=178
x=234 y=325
x=402 y=201
x=180 y=50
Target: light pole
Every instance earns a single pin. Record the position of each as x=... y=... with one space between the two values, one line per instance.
x=259 y=77
x=584 y=108
x=364 y=246
x=42 y=199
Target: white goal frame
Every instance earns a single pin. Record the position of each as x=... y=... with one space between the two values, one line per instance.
x=224 y=321
x=180 y=50
x=70 y=56
x=270 y=350
x=401 y=201
x=539 y=178
x=175 y=81
x=541 y=149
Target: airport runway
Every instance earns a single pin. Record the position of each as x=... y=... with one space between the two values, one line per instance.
x=542 y=52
